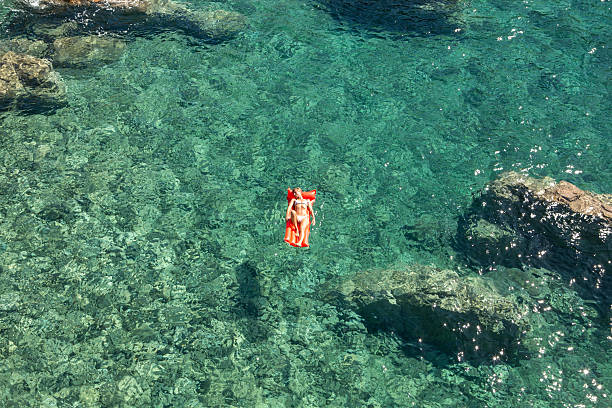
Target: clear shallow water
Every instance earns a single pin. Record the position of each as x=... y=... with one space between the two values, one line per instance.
x=142 y=260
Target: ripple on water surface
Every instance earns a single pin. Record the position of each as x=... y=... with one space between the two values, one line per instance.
x=142 y=256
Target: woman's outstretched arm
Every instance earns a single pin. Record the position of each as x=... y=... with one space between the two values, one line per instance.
x=311 y=211
x=289 y=207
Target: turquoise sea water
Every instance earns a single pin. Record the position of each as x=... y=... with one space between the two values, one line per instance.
x=141 y=253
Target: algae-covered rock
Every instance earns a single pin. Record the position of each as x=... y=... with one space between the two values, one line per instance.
x=25 y=79
x=74 y=51
x=464 y=316
x=131 y=391
x=483 y=230
x=35 y=48
x=52 y=31
x=9 y=302
x=215 y=24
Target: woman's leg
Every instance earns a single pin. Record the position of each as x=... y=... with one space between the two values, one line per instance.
x=303 y=224
x=294 y=221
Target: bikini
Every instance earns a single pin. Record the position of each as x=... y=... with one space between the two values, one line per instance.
x=303 y=202
x=293 y=235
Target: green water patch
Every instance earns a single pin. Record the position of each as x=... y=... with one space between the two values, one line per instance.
x=142 y=261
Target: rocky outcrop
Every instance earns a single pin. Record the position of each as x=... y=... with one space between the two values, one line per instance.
x=28 y=80
x=466 y=317
x=75 y=51
x=567 y=198
x=554 y=225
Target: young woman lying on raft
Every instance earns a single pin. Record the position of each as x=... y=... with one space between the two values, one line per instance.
x=298 y=212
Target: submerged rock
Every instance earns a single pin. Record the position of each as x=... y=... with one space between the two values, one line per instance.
x=73 y=51
x=35 y=48
x=216 y=24
x=428 y=232
x=490 y=242
x=27 y=79
x=556 y=225
x=395 y=17
x=52 y=31
x=464 y=316
x=136 y=5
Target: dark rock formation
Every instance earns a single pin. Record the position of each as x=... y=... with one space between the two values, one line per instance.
x=214 y=24
x=491 y=243
x=75 y=51
x=465 y=317
x=27 y=80
x=556 y=225
x=136 y=5
x=514 y=187
x=394 y=17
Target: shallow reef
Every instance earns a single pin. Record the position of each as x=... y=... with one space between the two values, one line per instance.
x=34 y=48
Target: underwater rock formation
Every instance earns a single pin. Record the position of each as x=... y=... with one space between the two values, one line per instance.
x=71 y=51
x=554 y=225
x=216 y=24
x=492 y=243
x=51 y=31
x=136 y=5
x=394 y=17
x=27 y=79
x=35 y=48
x=464 y=316
x=427 y=231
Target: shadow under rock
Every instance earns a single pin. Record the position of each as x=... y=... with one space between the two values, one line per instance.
x=31 y=106
x=426 y=335
x=394 y=17
x=442 y=339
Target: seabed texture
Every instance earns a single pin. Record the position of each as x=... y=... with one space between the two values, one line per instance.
x=142 y=203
